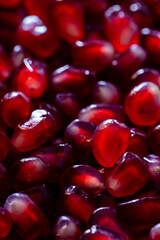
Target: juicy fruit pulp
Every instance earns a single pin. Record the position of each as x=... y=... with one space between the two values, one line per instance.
x=79 y=120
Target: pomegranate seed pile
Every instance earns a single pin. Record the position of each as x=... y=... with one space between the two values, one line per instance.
x=80 y=119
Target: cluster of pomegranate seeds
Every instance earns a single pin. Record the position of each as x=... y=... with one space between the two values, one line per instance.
x=79 y=120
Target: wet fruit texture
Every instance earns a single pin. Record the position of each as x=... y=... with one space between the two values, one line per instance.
x=35 y=131
x=142 y=105
x=35 y=36
x=28 y=219
x=110 y=141
x=32 y=79
x=93 y=55
x=127 y=176
x=120 y=28
x=79 y=120
x=15 y=104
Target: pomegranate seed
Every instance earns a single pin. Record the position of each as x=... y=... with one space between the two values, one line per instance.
x=110 y=141
x=120 y=28
x=43 y=198
x=154 y=233
x=5 y=66
x=93 y=55
x=69 y=104
x=100 y=233
x=153 y=165
x=4 y=182
x=127 y=176
x=145 y=75
x=27 y=218
x=38 y=8
x=66 y=227
x=83 y=176
x=150 y=40
x=15 y=107
x=106 y=92
x=4 y=146
x=97 y=113
x=31 y=79
x=77 y=203
x=143 y=103
x=107 y=217
x=5 y=223
x=138 y=143
x=58 y=157
x=68 y=18
x=141 y=213
x=18 y=54
x=35 y=36
x=155 y=139
x=9 y=3
x=71 y=79
x=35 y=131
x=29 y=172
x=79 y=134
x=125 y=64
x=141 y=14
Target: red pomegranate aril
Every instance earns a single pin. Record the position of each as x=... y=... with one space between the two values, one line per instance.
x=5 y=66
x=110 y=141
x=9 y=3
x=39 y=128
x=68 y=19
x=125 y=64
x=55 y=113
x=5 y=183
x=79 y=134
x=150 y=40
x=4 y=146
x=77 y=203
x=141 y=14
x=106 y=92
x=138 y=143
x=83 y=176
x=155 y=139
x=15 y=107
x=68 y=104
x=36 y=37
x=17 y=56
x=29 y=172
x=142 y=104
x=66 y=227
x=145 y=75
x=59 y=157
x=38 y=8
x=93 y=55
x=99 y=112
x=27 y=218
x=32 y=79
x=100 y=233
x=127 y=176
x=120 y=28
x=71 y=79
x=107 y=217
x=5 y=223
x=43 y=198
x=154 y=233
x=141 y=213
x=153 y=166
